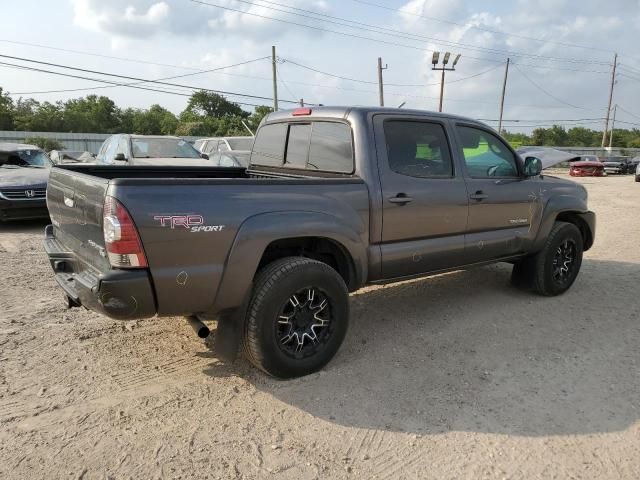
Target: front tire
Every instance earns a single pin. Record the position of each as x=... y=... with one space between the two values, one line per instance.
x=297 y=317
x=553 y=270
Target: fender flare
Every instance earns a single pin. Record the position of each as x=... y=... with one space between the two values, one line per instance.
x=257 y=232
x=558 y=205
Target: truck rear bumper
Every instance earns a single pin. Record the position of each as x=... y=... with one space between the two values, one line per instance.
x=118 y=294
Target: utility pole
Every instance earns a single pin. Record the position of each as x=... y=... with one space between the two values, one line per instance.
x=302 y=102
x=613 y=126
x=613 y=81
x=380 y=85
x=504 y=90
x=275 y=78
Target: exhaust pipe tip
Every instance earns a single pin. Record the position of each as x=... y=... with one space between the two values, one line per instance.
x=200 y=328
x=203 y=332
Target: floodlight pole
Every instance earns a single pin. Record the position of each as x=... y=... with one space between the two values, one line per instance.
x=443 y=69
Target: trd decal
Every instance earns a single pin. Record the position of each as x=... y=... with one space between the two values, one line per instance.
x=193 y=223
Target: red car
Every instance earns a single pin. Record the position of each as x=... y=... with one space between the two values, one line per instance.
x=586 y=168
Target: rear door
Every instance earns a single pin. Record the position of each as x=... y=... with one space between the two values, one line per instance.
x=425 y=201
x=502 y=202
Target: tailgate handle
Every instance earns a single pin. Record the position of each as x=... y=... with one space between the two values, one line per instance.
x=69 y=196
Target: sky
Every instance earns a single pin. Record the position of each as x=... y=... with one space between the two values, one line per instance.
x=561 y=53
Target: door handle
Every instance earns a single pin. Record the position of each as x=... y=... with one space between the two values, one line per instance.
x=479 y=195
x=401 y=199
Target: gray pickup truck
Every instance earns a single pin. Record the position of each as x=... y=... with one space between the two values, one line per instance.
x=334 y=199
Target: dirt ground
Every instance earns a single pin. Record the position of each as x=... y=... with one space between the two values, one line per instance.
x=455 y=376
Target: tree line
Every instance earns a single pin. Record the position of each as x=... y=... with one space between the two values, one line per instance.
x=206 y=114
x=558 y=136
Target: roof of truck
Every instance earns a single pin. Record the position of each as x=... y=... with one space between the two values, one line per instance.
x=343 y=111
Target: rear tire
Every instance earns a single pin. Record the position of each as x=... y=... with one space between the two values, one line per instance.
x=553 y=269
x=297 y=317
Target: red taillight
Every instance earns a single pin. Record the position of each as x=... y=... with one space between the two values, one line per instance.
x=121 y=236
x=301 y=111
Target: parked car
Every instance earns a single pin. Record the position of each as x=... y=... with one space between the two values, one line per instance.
x=633 y=164
x=586 y=168
x=124 y=149
x=71 y=156
x=224 y=144
x=619 y=165
x=230 y=159
x=638 y=173
x=24 y=170
x=335 y=198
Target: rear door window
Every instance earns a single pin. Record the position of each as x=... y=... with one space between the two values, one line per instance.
x=323 y=146
x=298 y=145
x=331 y=148
x=268 y=149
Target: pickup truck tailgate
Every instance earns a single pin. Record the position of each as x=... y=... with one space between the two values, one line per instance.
x=75 y=202
x=76 y=249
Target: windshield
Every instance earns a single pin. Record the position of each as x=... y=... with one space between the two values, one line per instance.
x=162 y=148
x=240 y=143
x=24 y=158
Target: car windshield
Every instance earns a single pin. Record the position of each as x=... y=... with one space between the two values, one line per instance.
x=162 y=148
x=24 y=158
x=240 y=143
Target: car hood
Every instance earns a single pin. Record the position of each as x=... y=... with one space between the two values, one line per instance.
x=184 y=162
x=23 y=177
x=548 y=156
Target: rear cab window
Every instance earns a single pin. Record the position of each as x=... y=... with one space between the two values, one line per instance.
x=322 y=146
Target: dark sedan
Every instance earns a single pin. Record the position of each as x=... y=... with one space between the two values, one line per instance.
x=621 y=165
x=24 y=171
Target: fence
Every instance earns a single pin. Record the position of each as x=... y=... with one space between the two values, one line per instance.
x=89 y=142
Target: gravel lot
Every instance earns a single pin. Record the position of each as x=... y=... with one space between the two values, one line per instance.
x=453 y=376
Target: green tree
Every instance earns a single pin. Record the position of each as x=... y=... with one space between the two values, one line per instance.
x=91 y=114
x=256 y=117
x=208 y=104
x=155 y=121
x=7 y=111
x=47 y=144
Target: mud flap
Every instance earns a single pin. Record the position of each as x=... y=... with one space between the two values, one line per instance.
x=228 y=334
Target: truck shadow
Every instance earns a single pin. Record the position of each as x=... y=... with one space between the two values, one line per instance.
x=467 y=352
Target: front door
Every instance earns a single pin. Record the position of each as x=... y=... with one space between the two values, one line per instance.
x=502 y=202
x=425 y=201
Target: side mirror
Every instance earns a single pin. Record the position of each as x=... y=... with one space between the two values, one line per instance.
x=205 y=156
x=532 y=167
x=120 y=157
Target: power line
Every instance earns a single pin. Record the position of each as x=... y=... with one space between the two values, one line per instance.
x=33 y=69
x=368 y=82
x=321 y=29
x=477 y=27
x=628 y=112
x=143 y=80
x=399 y=33
x=545 y=91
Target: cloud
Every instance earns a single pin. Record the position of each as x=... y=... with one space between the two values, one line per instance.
x=147 y=18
